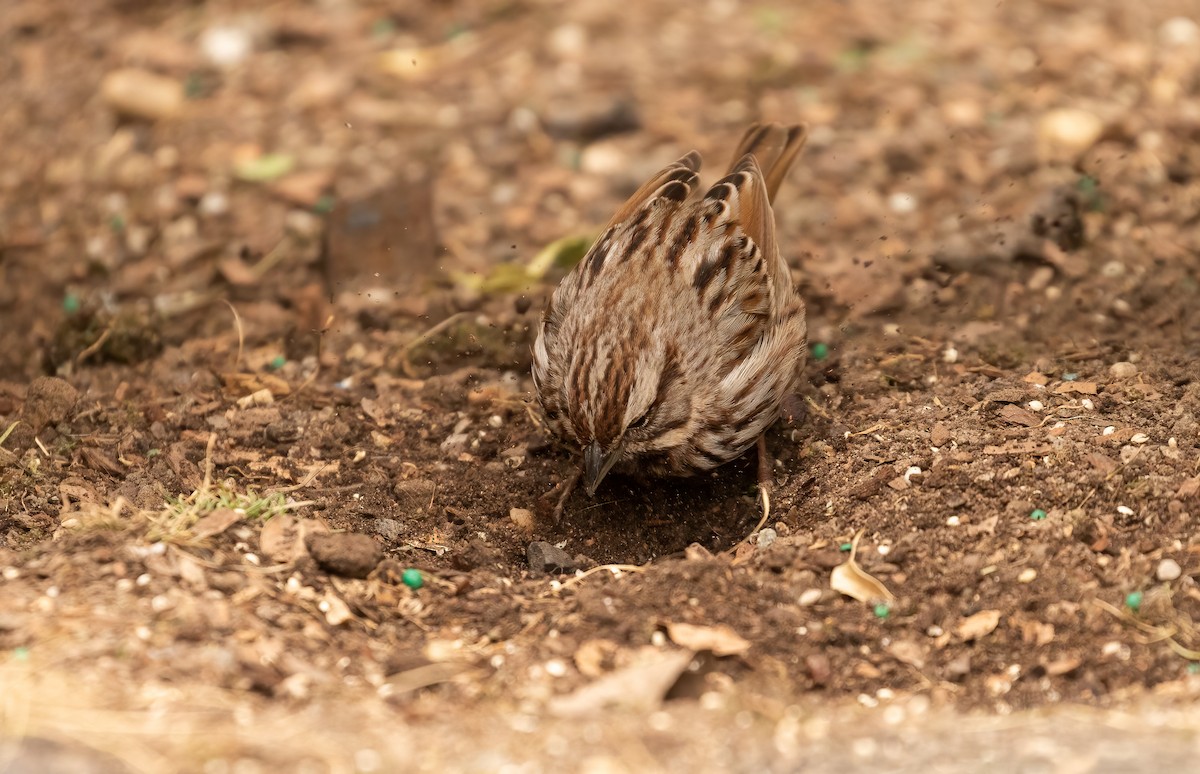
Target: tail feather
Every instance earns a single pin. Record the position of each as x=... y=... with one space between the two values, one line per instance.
x=775 y=147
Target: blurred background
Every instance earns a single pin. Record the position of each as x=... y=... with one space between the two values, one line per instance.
x=157 y=156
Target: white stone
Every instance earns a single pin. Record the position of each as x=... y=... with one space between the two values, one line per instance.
x=1168 y=570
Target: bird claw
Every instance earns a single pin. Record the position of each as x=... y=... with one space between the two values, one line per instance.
x=564 y=491
x=764 y=498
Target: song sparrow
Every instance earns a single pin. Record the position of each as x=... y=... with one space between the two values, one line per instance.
x=669 y=348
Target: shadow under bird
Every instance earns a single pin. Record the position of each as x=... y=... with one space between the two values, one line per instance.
x=671 y=346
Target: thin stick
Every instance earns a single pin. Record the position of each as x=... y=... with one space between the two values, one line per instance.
x=95 y=346
x=613 y=568
x=237 y=322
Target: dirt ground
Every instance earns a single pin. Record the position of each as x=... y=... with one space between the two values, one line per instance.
x=273 y=485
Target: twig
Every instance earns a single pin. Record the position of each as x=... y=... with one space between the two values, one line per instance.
x=95 y=346
x=8 y=431
x=613 y=568
x=237 y=322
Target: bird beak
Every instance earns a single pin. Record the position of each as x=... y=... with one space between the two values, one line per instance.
x=596 y=465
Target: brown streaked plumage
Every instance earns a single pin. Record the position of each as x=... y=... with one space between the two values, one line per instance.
x=669 y=348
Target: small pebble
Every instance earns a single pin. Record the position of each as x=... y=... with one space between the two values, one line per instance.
x=953 y=521
x=1179 y=31
x=950 y=355
x=1068 y=131
x=1036 y=405
x=1087 y=404
x=1112 y=269
x=226 y=46
x=546 y=557
x=1123 y=369
x=1124 y=510
x=522 y=519
x=214 y=203
x=766 y=537
x=1027 y=575
x=902 y=203
x=1139 y=438
x=142 y=94
x=809 y=597
x=1168 y=570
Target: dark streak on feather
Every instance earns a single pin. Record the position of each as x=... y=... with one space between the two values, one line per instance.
x=599 y=253
x=687 y=232
x=670 y=373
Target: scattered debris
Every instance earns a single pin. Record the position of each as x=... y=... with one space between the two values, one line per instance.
x=720 y=640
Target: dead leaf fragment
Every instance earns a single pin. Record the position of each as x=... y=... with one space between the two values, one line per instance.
x=1188 y=488
x=1018 y=416
x=640 y=686
x=1083 y=388
x=855 y=582
x=282 y=538
x=720 y=639
x=217 y=522
x=979 y=625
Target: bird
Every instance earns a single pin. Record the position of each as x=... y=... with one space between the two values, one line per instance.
x=672 y=345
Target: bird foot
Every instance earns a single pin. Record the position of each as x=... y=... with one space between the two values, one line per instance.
x=765 y=479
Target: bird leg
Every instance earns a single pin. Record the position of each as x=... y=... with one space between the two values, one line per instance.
x=565 y=490
x=765 y=479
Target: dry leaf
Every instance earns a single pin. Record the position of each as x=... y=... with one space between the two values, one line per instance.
x=853 y=581
x=979 y=625
x=282 y=538
x=640 y=687
x=217 y=522
x=424 y=676
x=1188 y=488
x=720 y=639
x=1083 y=388
x=1019 y=416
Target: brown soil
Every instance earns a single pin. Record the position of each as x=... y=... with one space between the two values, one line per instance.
x=234 y=300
